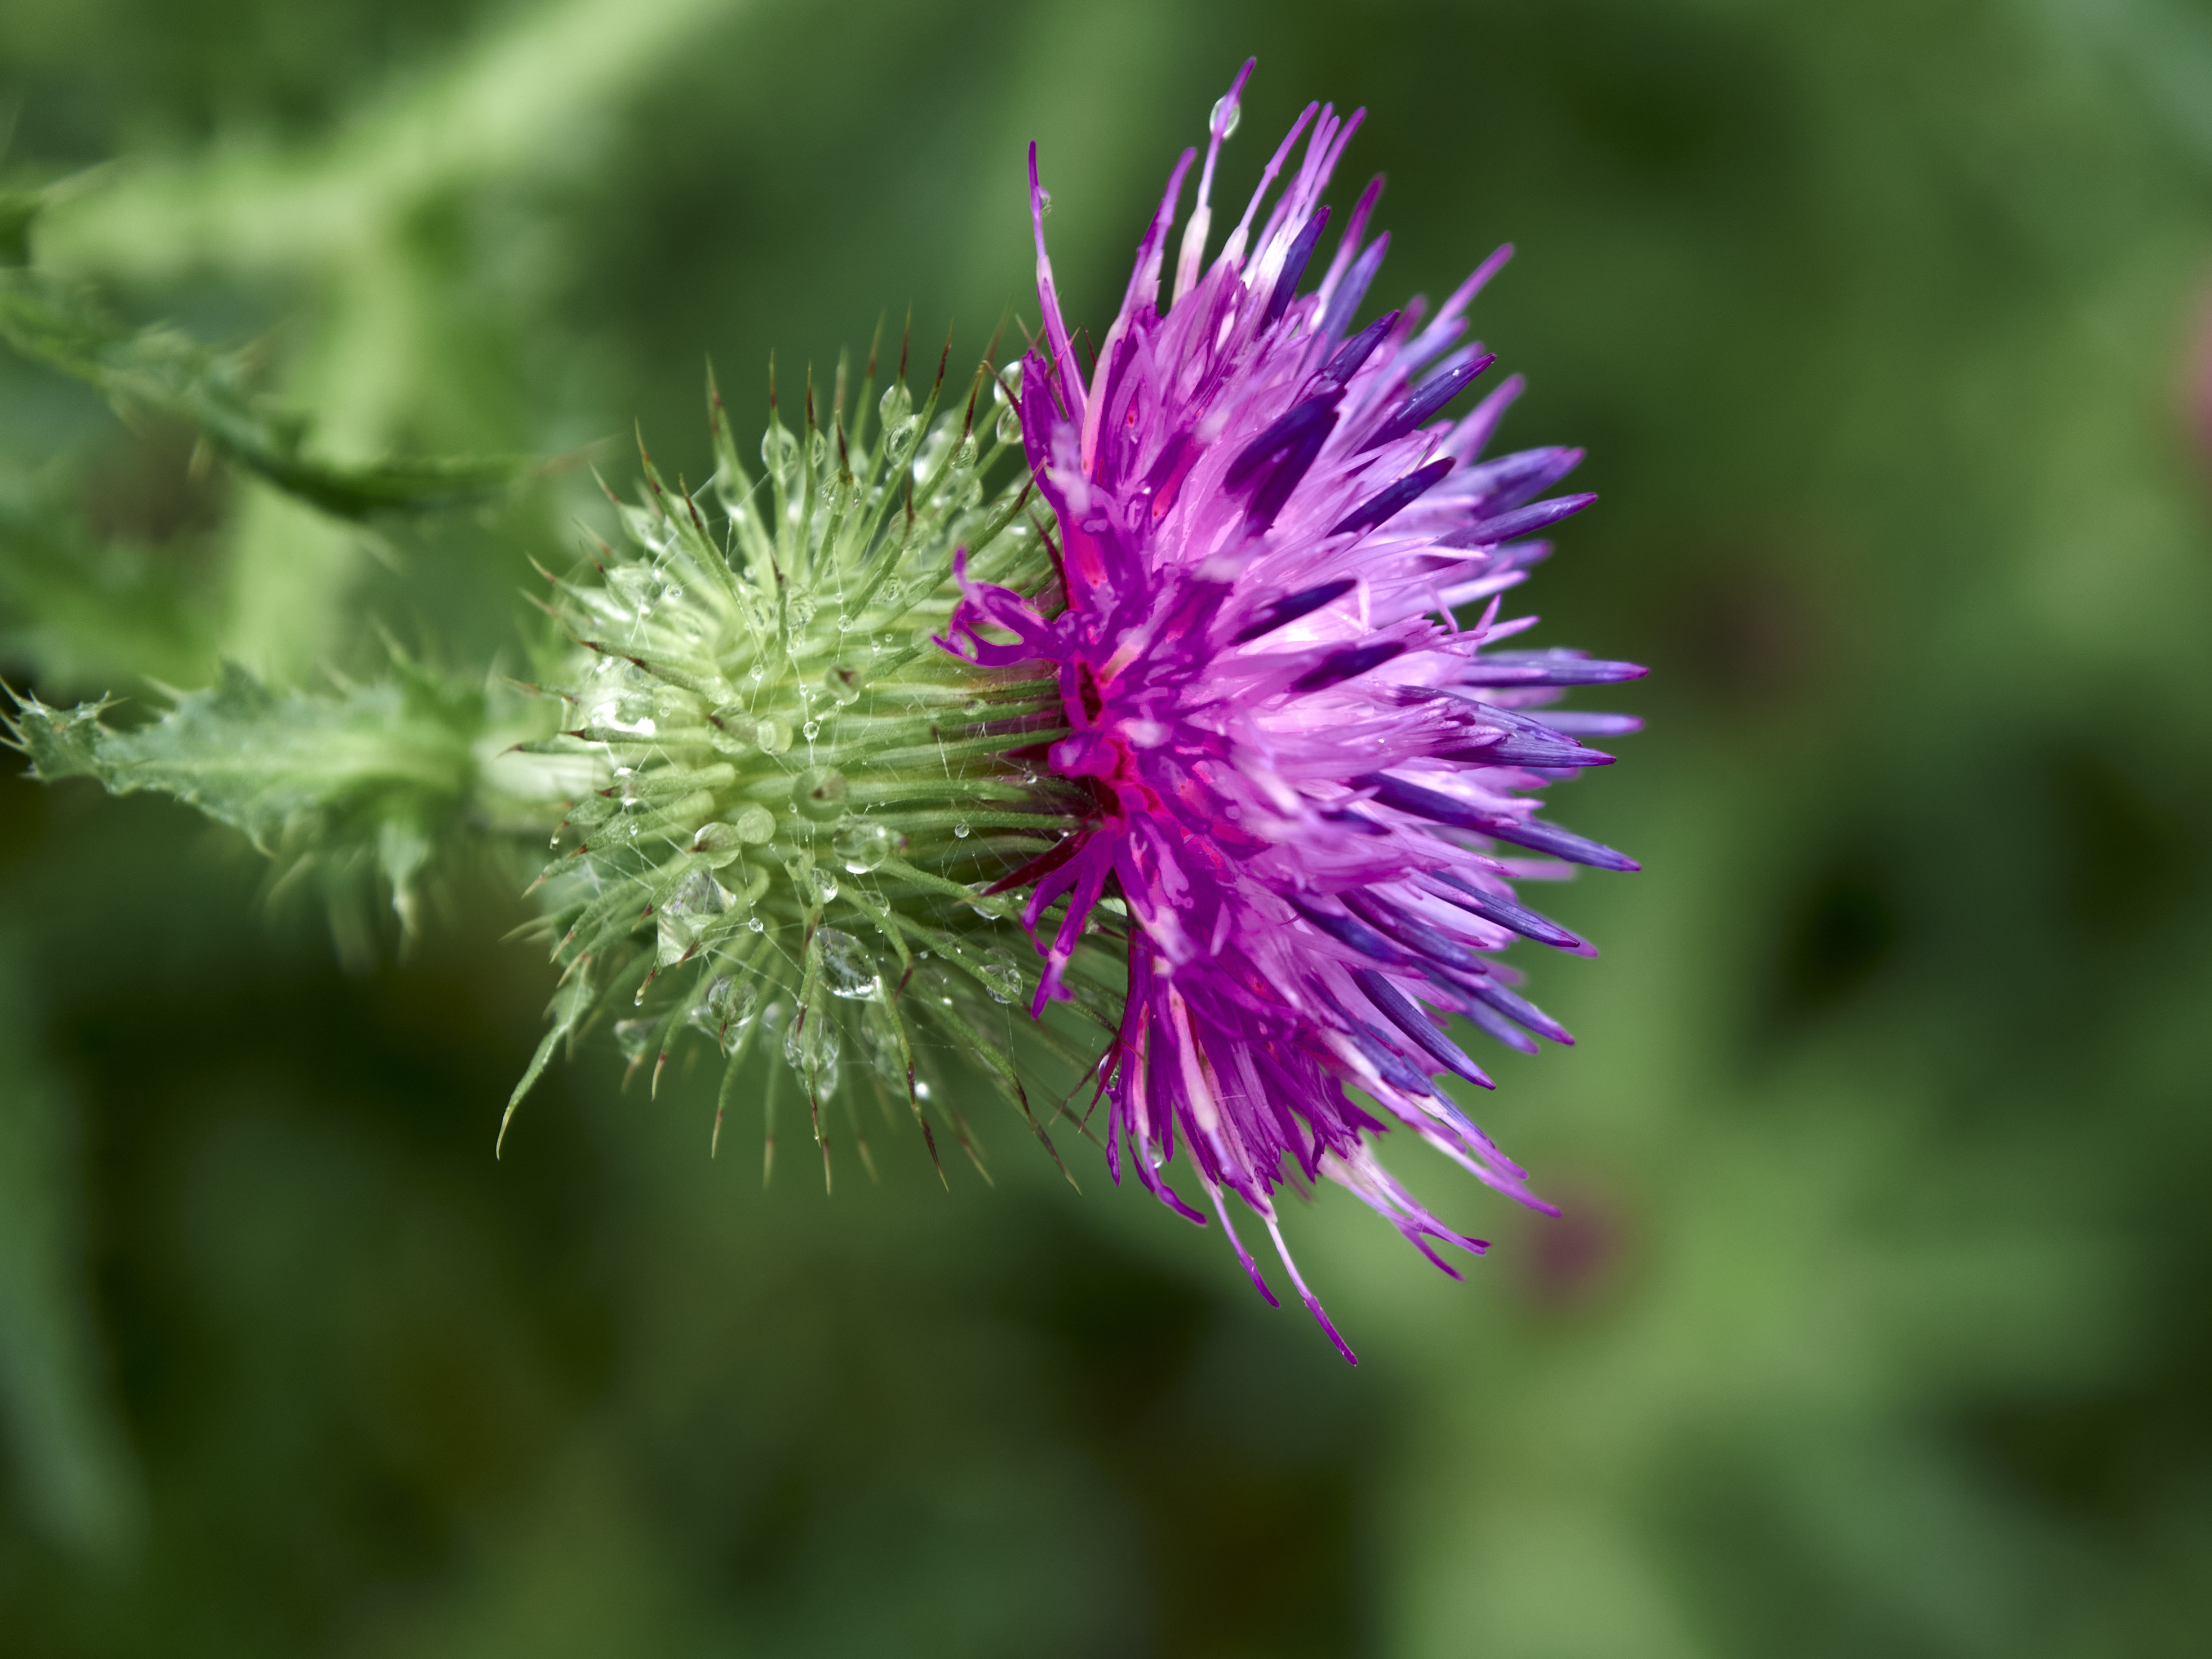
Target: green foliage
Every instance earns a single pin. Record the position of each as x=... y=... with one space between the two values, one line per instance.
x=56 y=1416
x=87 y=608
x=60 y=323
x=18 y=209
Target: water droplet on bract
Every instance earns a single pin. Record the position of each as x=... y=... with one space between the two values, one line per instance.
x=819 y=793
x=811 y=730
x=634 y=1037
x=920 y=1090
x=1044 y=202
x=755 y=824
x=1000 y=973
x=696 y=902
x=846 y=968
x=724 y=1010
x=673 y=939
x=961 y=829
x=1227 y=113
x=1006 y=384
x=879 y=1037
x=621 y=711
x=733 y=725
x=985 y=903
x=735 y=1000
x=843 y=685
x=773 y=734
x=897 y=403
x=898 y=438
x=817 y=450
x=800 y=609
x=963 y=457
x=756 y=924
x=810 y=1048
x=779 y=449
x=824 y=883
x=1010 y=427
x=861 y=846
x=700 y=895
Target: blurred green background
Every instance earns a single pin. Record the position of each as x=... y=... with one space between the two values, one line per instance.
x=1878 y=1319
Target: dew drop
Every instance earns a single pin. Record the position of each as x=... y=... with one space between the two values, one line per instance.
x=1000 y=973
x=779 y=449
x=846 y=968
x=734 y=725
x=772 y=733
x=961 y=829
x=819 y=793
x=693 y=905
x=755 y=824
x=726 y=1010
x=634 y=1037
x=861 y=846
x=1227 y=113
x=812 y=729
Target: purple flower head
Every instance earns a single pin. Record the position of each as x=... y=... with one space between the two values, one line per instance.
x=1308 y=779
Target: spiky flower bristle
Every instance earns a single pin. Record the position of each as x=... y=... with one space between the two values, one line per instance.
x=789 y=807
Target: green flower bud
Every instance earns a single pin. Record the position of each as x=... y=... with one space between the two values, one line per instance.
x=801 y=800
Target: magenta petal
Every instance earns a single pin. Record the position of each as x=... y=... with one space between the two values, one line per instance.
x=1301 y=761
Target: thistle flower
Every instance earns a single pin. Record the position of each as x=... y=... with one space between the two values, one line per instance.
x=786 y=804
x=1307 y=779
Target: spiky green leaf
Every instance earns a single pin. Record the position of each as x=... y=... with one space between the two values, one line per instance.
x=367 y=779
